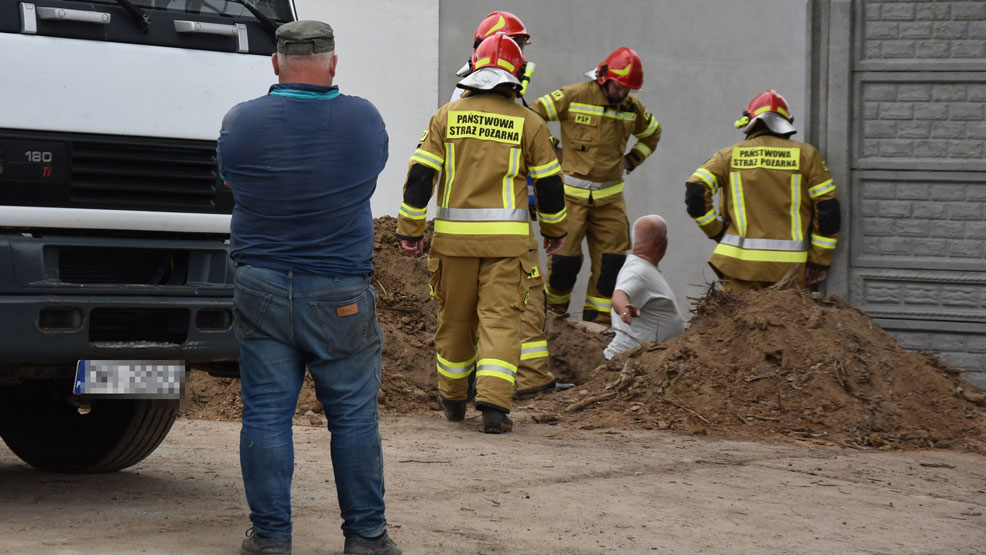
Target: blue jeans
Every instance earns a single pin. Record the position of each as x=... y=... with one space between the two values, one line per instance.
x=285 y=322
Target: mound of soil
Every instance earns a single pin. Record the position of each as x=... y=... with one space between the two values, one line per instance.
x=407 y=315
x=774 y=363
x=781 y=363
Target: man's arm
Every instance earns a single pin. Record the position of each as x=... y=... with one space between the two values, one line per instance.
x=826 y=220
x=549 y=191
x=422 y=175
x=647 y=130
x=700 y=189
x=623 y=307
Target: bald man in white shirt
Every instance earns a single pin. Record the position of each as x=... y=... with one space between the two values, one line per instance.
x=644 y=307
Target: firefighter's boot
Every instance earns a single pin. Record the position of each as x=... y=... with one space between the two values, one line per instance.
x=496 y=421
x=455 y=411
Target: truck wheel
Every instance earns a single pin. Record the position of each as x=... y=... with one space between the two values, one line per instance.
x=42 y=426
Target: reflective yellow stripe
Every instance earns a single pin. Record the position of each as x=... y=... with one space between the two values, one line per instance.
x=424 y=157
x=708 y=217
x=549 y=169
x=449 y=171
x=739 y=203
x=482 y=228
x=455 y=370
x=593 y=110
x=821 y=189
x=796 y=233
x=707 y=178
x=763 y=109
x=413 y=213
x=553 y=218
x=651 y=128
x=549 y=107
x=598 y=193
x=534 y=349
x=643 y=149
x=496 y=368
x=554 y=298
x=506 y=65
x=513 y=168
x=599 y=304
x=754 y=255
x=823 y=242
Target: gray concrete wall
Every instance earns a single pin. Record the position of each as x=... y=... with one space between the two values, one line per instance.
x=704 y=60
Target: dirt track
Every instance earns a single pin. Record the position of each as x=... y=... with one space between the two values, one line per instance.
x=542 y=489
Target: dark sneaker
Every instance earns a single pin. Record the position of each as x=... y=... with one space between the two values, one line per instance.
x=455 y=411
x=496 y=421
x=255 y=543
x=383 y=545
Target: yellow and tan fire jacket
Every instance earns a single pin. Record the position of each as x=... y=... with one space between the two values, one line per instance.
x=483 y=147
x=778 y=207
x=594 y=138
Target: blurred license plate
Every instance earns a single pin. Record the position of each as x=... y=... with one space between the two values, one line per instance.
x=157 y=379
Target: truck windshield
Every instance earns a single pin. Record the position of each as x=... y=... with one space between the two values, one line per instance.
x=278 y=10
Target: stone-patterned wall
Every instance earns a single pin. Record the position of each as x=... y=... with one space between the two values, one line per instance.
x=939 y=121
x=918 y=191
x=924 y=30
x=921 y=221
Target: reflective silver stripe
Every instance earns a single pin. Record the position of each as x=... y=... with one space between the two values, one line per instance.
x=764 y=244
x=549 y=107
x=598 y=303
x=413 y=212
x=589 y=185
x=457 y=371
x=483 y=214
x=651 y=128
x=490 y=367
x=556 y=299
x=532 y=350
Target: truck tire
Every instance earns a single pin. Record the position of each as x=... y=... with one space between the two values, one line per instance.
x=44 y=427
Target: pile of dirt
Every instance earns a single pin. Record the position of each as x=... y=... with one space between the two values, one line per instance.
x=775 y=363
x=407 y=315
x=781 y=363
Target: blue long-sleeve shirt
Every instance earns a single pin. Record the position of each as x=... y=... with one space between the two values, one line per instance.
x=303 y=163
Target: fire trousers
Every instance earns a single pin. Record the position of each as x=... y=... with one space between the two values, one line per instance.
x=533 y=373
x=732 y=284
x=480 y=301
x=607 y=233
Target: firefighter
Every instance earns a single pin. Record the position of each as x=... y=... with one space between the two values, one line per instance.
x=778 y=207
x=482 y=147
x=533 y=376
x=597 y=118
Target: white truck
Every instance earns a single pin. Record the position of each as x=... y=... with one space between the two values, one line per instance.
x=114 y=224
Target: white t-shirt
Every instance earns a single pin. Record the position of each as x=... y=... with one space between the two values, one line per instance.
x=659 y=317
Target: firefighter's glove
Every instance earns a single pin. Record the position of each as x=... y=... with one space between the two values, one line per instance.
x=628 y=163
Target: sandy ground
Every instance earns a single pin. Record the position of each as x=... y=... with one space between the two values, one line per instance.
x=541 y=489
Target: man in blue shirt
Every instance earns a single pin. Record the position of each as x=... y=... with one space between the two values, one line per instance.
x=302 y=163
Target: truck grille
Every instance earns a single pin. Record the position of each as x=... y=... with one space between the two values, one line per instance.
x=145 y=174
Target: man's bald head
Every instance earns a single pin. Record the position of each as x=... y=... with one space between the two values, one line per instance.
x=650 y=237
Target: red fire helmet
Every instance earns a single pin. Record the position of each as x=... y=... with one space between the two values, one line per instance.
x=772 y=109
x=624 y=67
x=504 y=22
x=499 y=51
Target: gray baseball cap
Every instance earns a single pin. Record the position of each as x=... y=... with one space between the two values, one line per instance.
x=305 y=37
